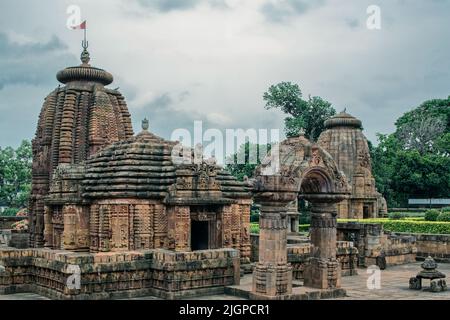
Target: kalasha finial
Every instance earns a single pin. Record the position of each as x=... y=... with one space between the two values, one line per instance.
x=85 y=57
x=145 y=124
x=301 y=131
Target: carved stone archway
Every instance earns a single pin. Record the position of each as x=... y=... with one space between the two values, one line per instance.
x=296 y=168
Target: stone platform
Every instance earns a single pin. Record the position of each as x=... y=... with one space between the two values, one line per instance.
x=394 y=286
x=299 y=292
x=118 y=275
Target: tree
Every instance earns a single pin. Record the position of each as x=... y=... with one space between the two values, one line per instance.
x=422 y=133
x=307 y=114
x=422 y=176
x=15 y=175
x=243 y=163
x=414 y=161
x=422 y=128
x=383 y=157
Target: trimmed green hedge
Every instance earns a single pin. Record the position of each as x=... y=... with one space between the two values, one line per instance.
x=405 y=225
x=408 y=225
x=10 y=212
x=432 y=215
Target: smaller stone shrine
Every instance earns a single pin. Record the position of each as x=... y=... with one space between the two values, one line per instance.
x=344 y=140
x=430 y=272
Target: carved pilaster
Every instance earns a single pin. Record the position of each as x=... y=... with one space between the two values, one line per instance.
x=179 y=228
x=273 y=275
x=48 y=229
x=323 y=269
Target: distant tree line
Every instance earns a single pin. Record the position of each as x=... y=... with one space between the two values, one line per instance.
x=414 y=161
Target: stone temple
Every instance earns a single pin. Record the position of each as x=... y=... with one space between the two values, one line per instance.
x=118 y=215
x=127 y=215
x=132 y=196
x=345 y=142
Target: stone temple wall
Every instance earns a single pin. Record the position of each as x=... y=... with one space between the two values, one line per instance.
x=435 y=245
x=373 y=243
x=161 y=273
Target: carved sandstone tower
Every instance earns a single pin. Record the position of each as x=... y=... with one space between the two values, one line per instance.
x=76 y=121
x=344 y=140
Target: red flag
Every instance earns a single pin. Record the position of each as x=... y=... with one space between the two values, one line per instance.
x=82 y=26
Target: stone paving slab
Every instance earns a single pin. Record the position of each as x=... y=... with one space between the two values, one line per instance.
x=394 y=285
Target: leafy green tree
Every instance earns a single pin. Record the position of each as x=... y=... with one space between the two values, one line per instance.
x=415 y=160
x=424 y=127
x=383 y=157
x=307 y=114
x=15 y=175
x=244 y=162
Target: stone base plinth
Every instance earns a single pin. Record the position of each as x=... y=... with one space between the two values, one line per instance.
x=272 y=280
x=322 y=274
x=299 y=292
x=161 y=273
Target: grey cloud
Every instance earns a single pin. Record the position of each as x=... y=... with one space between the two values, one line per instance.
x=164 y=116
x=282 y=10
x=352 y=23
x=165 y=6
x=169 y=5
x=11 y=49
x=31 y=63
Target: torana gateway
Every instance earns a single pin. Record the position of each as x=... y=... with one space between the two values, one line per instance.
x=115 y=210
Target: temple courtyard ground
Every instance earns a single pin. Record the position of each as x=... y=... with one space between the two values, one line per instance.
x=394 y=286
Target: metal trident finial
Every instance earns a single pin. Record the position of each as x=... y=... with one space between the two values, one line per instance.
x=85 y=57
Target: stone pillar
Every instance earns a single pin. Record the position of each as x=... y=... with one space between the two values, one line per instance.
x=323 y=270
x=273 y=274
x=293 y=217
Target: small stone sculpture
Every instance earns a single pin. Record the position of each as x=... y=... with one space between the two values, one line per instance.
x=429 y=271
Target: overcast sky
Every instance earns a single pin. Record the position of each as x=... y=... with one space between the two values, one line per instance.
x=177 y=61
